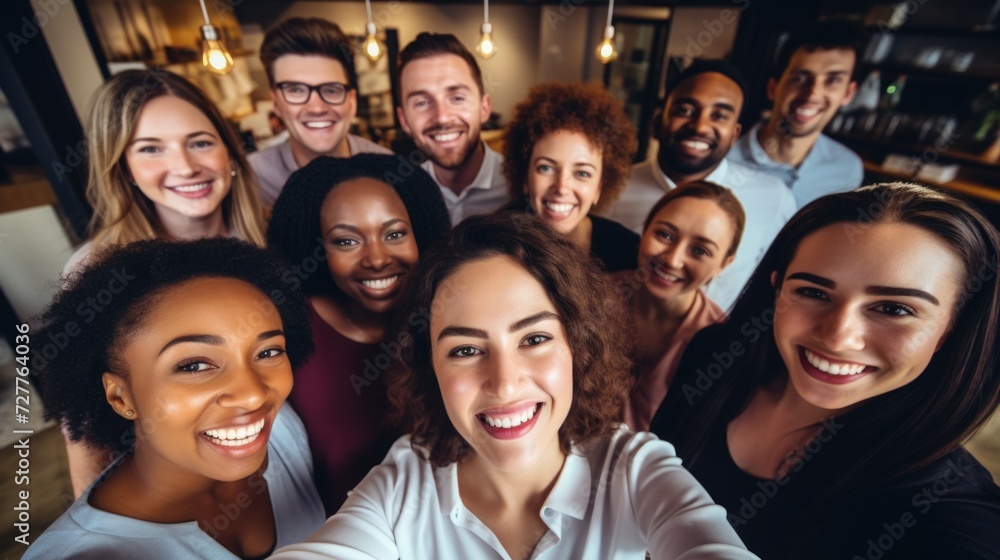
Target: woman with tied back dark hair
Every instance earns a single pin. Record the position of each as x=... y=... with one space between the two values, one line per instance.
x=352 y=229
x=512 y=380
x=184 y=375
x=828 y=413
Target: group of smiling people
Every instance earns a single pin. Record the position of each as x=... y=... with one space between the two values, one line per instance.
x=530 y=382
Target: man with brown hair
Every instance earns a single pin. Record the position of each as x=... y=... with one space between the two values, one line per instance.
x=310 y=70
x=443 y=106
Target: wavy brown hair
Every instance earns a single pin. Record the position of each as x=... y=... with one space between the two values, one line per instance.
x=578 y=290
x=588 y=109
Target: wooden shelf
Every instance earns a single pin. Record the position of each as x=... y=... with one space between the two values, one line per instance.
x=967 y=188
x=890 y=145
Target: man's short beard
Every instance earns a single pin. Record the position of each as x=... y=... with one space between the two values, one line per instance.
x=670 y=161
x=469 y=153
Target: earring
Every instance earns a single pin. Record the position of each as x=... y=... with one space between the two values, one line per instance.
x=129 y=413
x=233 y=172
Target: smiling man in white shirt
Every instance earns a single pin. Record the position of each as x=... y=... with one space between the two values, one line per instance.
x=443 y=109
x=698 y=126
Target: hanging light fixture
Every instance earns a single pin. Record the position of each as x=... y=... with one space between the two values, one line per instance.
x=214 y=55
x=606 y=49
x=486 y=47
x=371 y=47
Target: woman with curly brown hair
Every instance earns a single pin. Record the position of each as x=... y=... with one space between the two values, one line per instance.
x=569 y=151
x=512 y=381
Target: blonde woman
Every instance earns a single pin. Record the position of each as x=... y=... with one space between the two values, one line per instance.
x=163 y=163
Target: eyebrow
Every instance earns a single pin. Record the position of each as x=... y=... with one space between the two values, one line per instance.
x=349 y=227
x=214 y=339
x=515 y=326
x=716 y=105
x=704 y=240
x=192 y=135
x=871 y=290
x=546 y=158
x=449 y=89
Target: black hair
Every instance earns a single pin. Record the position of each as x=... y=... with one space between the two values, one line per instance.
x=702 y=66
x=295 y=221
x=822 y=35
x=107 y=300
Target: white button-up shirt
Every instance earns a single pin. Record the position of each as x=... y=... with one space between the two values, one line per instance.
x=766 y=201
x=614 y=499
x=487 y=192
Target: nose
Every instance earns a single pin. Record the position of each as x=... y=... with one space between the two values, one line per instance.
x=840 y=329
x=245 y=388
x=502 y=377
x=376 y=256
x=442 y=113
x=180 y=163
x=315 y=104
x=703 y=123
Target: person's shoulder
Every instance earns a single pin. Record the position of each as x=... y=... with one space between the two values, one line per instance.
x=838 y=152
x=78 y=260
x=740 y=173
x=266 y=156
x=361 y=145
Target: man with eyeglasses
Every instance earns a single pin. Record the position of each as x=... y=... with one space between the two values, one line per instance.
x=310 y=68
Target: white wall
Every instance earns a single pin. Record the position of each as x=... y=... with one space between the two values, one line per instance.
x=507 y=77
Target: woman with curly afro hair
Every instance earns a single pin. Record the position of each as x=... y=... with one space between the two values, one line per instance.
x=352 y=241
x=511 y=382
x=569 y=151
x=184 y=374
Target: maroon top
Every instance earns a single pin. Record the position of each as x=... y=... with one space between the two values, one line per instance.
x=340 y=396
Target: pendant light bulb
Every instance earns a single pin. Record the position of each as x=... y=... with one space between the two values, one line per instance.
x=371 y=47
x=214 y=55
x=486 y=47
x=606 y=49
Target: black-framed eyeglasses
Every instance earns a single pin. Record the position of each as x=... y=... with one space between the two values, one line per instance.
x=298 y=93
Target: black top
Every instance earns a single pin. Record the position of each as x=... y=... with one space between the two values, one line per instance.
x=949 y=509
x=616 y=246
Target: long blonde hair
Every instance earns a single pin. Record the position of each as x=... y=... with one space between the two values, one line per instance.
x=122 y=214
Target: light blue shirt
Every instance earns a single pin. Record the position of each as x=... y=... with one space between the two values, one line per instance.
x=87 y=532
x=614 y=499
x=829 y=167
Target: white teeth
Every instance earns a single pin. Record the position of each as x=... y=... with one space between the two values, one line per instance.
x=445 y=137
x=833 y=368
x=318 y=124
x=381 y=283
x=559 y=208
x=806 y=111
x=666 y=275
x=510 y=421
x=695 y=144
x=192 y=188
x=244 y=434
